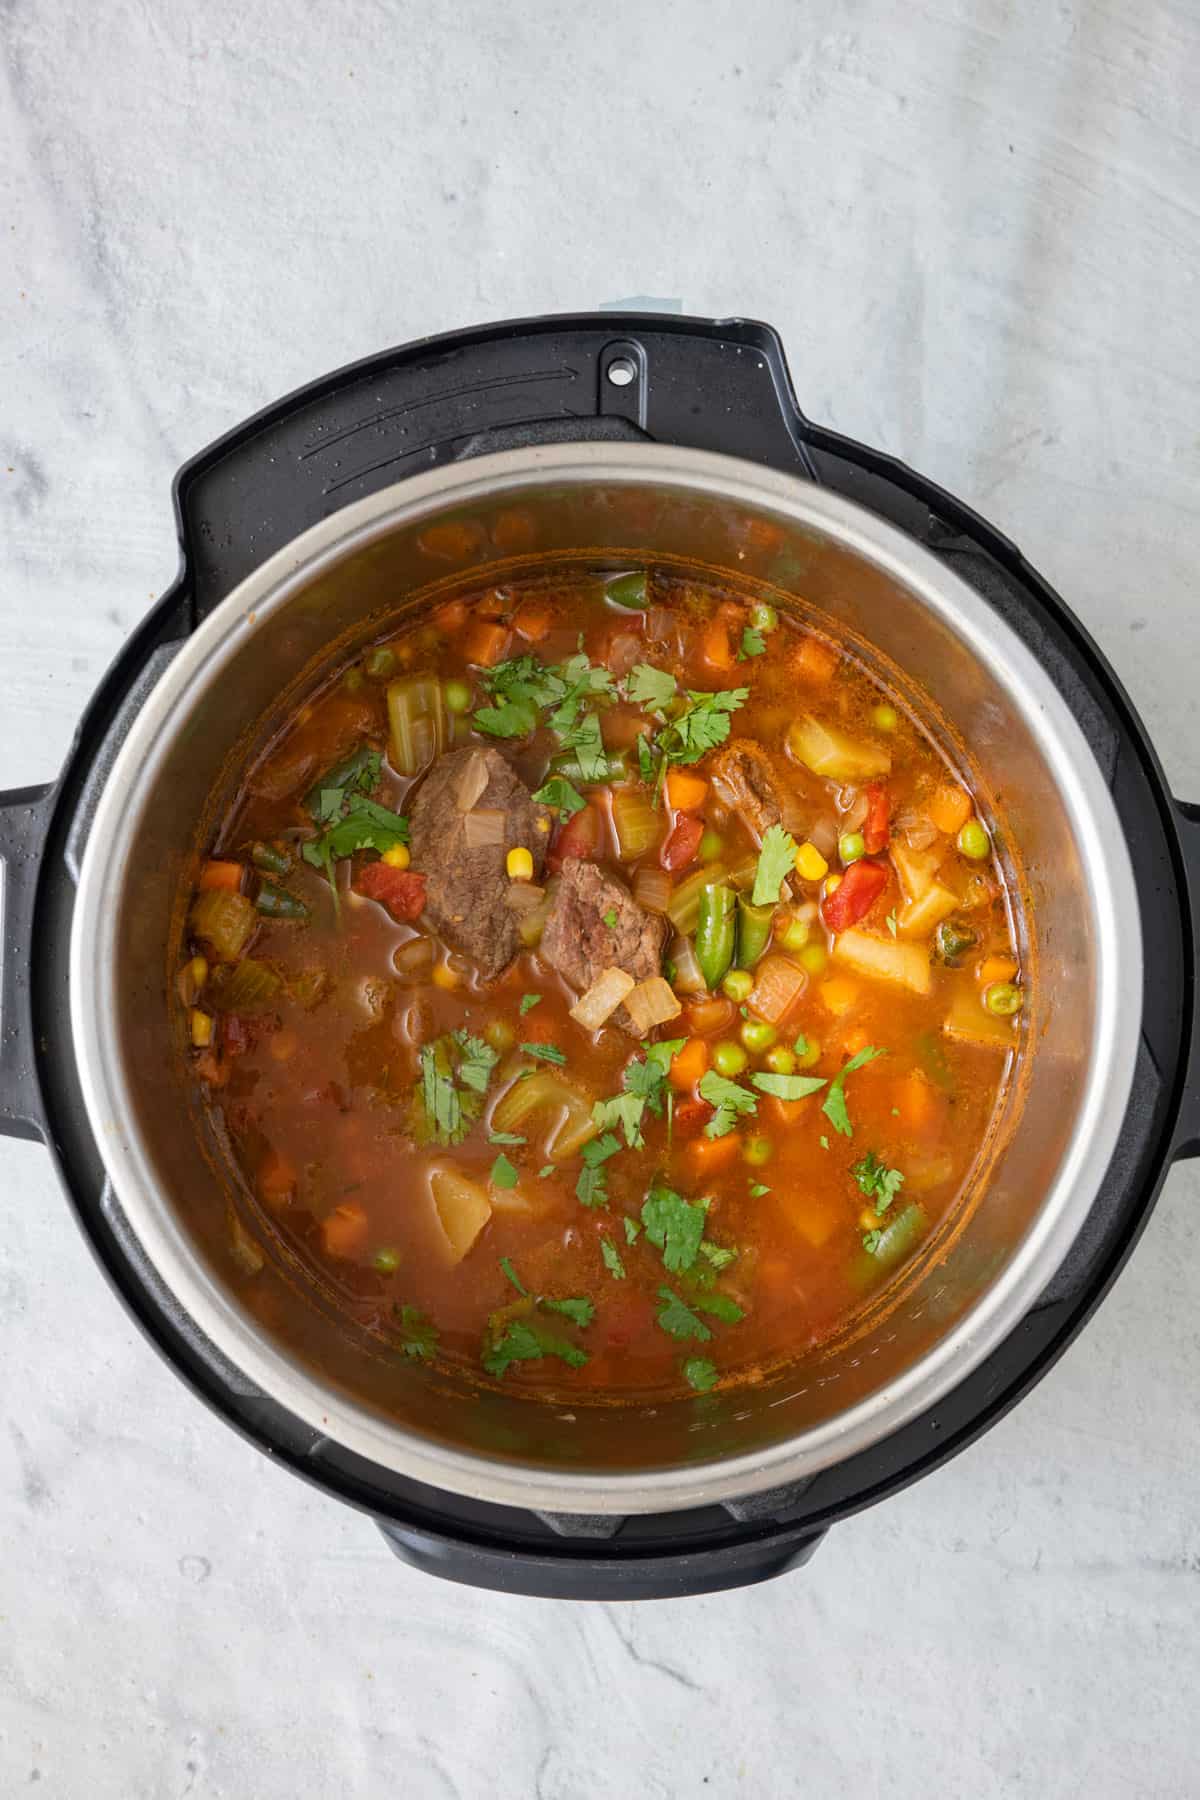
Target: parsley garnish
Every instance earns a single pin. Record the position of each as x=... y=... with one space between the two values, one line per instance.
x=776 y=859
x=580 y=1312
x=503 y=1175
x=702 y=725
x=546 y=1052
x=512 y=718
x=877 y=1181
x=523 y=1342
x=788 y=1087
x=675 y=1226
x=418 y=1334
x=632 y=1230
x=834 y=1103
x=716 y=1255
x=650 y=688
x=643 y=1082
x=506 y=1265
x=700 y=1374
x=528 y=1002
x=592 y=1187
x=730 y=1099
x=612 y=1260
x=523 y=687
x=449 y=1065
x=559 y=793
x=753 y=643
x=678 y=1319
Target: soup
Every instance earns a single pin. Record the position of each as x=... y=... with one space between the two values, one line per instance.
x=606 y=986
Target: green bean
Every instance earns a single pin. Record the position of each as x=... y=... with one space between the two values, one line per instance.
x=628 y=590
x=612 y=766
x=753 y=932
x=716 y=930
x=276 y=903
x=270 y=860
x=711 y=846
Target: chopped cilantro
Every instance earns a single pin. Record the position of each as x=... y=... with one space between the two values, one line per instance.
x=523 y=687
x=418 y=1334
x=559 y=793
x=624 y=1110
x=612 y=1260
x=678 y=1319
x=503 y=1175
x=700 y=1374
x=720 y=1306
x=585 y=741
x=871 y=1241
x=528 y=1002
x=788 y=1087
x=753 y=643
x=522 y=1342
x=354 y=823
x=592 y=1187
x=610 y=918
x=675 y=1226
x=645 y=758
x=650 y=688
x=632 y=1230
x=758 y=1191
x=823 y=1141
x=357 y=773
x=877 y=1181
x=512 y=718
x=643 y=1082
x=834 y=1104
x=718 y=1256
x=801 y=1045
x=580 y=1312
x=891 y=922
x=449 y=1065
x=506 y=1265
x=776 y=859
x=703 y=724
x=545 y=1052
x=547 y=1169
x=505 y=1137
x=730 y=1099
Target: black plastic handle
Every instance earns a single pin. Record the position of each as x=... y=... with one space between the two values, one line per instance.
x=24 y=820
x=1185 y=1139
x=710 y=384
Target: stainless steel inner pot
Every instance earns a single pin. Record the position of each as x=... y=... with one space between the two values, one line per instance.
x=618 y=504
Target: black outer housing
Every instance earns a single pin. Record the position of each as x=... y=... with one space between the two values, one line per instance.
x=721 y=385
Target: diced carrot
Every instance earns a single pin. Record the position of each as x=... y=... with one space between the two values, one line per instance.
x=221 y=875
x=915 y=1101
x=344 y=1232
x=995 y=968
x=838 y=994
x=854 y=1040
x=276 y=1178
x=514 y=530
x=533 y=621
x=486 y=644
x=716 y=651
x=706 y=1155
x=452 y=616
x=815 y=660
x=493 y=605
x=686 y=792
x=950 y=809
x=788 y=1113
x=690 y=1063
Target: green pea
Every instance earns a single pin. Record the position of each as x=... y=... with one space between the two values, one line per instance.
x=500 y=1035
x=711 y=846
x=757 y=1151
x=729 y=1058
x=763 y=617
x=780 y=1060
x=851 y=845
x=795 y=934
x=1003 y=999
x=737 y=985
x=973 y=841
x=381 y=664
x=387 y=1261
x=352 y=681
x=457 y=696
x=757 y=1035
x=810 y=1055
x=884 y=717
x=813 y=957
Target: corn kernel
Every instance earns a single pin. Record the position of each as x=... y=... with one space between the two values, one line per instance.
x=202 y=1029
x=833 y=884
x=397 y=857
x=444 y=976
x=810 y=863
x=519 y=863
x=868 y=1219
x=198 y=970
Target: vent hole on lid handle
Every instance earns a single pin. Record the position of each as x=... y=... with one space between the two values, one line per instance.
x=621 y=371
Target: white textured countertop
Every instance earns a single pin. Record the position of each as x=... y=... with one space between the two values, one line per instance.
x=977 y=227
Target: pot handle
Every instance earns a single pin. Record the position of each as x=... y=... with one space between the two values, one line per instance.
x=1185 y=1139
x=24 y=820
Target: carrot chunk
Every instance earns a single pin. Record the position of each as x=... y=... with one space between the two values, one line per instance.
x=689 y=1064
x=221 y=875
x=950 y=809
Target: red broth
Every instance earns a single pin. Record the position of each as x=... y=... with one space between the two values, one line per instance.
x=722 y=1164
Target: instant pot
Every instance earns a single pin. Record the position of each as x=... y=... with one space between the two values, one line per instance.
x=609 y=438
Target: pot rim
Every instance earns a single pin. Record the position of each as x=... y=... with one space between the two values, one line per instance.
x=329 y=1409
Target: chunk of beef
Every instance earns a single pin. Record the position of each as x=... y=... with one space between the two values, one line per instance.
x=596 y=924
x=466 y=889
x=744 y=778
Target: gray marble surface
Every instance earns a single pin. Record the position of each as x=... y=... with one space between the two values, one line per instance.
x=978 y=227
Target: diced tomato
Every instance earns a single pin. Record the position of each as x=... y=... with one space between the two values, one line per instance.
x=692 y=1116
x=580 y=836
x=682 y=844
x=860 y=887
x=875 y=825
x=401 y=891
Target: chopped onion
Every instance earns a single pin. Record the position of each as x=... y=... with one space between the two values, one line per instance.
x=854 y=804
x=623 y=651
x=484 y=827
x=414 y=959
x=651 y=1003
x=602 y=999
x=823 y=836
x=917 y=831
x=688 y=978
x=523 y=896
x=471 y=782
x=778 y=984
x=652 y=889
